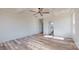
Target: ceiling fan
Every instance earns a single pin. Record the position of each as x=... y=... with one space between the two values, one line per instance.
x=40 y=11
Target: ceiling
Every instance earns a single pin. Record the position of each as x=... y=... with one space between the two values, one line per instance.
x=54 y=11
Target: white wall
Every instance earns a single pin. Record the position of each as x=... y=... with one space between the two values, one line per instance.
x=14 y=25
x=76 y=34
x=62 y=19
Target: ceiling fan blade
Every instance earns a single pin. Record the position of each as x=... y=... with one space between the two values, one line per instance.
x=35 y=10
x=45 y=12
x=41 y=14
x=38 y=13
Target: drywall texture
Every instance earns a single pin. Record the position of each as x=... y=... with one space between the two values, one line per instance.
x=62 y=19
x=14 y=24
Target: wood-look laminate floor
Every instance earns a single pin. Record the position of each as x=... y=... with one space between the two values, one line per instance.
x=38 y=42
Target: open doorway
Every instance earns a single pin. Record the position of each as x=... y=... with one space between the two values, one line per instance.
x=41 y=24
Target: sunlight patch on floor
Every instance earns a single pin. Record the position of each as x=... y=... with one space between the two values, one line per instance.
x=54 y=37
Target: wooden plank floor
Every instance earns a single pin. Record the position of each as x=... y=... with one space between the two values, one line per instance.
x=38 y=42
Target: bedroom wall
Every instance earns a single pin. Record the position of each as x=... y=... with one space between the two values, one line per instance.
x=15 y=25
x=62 y=19
x=76 y=32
